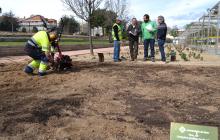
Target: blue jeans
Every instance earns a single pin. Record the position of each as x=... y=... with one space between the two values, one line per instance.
x=116 y=50
x=161 y=47
x=148 y=42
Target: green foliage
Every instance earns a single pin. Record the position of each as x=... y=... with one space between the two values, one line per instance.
x=187 y=49
x=9 y=22
x=198 y=56
x=194 y=55
x=35 y=29
x=70 y=25
x=190 y=55
x=103 y=18
x=167 y=54
x=201 y=58
x=23 y=30
x=187 y=26
x=124 y=35
x=84 y=34
x=170 y=52
x=168 y=40
x=98 y=18
x=174 y=31
x=184 y=56
x=180 y=49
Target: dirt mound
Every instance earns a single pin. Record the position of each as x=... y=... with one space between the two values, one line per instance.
x=107 y=101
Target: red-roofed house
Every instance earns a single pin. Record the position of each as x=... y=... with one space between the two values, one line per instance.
x=35 y=21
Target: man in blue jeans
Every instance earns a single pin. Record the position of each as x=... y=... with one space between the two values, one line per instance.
x=117 y=37
x=149 y=29
x=161 y=36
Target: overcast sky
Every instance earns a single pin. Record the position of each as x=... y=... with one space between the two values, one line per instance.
x=176 y=12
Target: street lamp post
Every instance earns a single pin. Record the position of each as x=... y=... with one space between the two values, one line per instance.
x=218 y=16
x=209 y=26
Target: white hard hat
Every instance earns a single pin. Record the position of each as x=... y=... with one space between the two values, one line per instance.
x=119 y=18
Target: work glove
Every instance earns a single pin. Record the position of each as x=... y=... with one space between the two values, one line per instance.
x=54 y=44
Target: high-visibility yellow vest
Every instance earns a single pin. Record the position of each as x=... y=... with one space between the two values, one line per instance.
x=119 y=32
x=42 y=40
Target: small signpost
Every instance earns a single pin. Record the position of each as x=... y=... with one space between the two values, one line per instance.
x=181 y=131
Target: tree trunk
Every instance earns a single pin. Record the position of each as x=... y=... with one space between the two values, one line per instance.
x=103 y=31
x=90 y=38
x=89 y=24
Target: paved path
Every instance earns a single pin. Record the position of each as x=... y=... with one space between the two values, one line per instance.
x=9 y=59
x=211 y=62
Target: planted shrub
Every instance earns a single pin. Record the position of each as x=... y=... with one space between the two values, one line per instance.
x=201 y=58
x=24 y=30
x=35 y=29
x=198 y=56
x=194 y=55
x=184 y=56
x=190 y=55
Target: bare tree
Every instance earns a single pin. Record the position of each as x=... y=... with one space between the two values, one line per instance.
x=83 y=9
x=119 y=7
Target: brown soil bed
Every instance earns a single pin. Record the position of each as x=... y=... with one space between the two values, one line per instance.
x=107 y=101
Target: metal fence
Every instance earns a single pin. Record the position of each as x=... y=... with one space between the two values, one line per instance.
x=204 y=33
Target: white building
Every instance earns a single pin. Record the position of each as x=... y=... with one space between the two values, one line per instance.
x=35 y=21
x=97 y=31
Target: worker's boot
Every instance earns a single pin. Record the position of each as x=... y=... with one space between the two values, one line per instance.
x=152 y=59
x=28 y=70
x=42 y=73
x=43 y=68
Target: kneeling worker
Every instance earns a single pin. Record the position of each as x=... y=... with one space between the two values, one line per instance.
x=39 y=48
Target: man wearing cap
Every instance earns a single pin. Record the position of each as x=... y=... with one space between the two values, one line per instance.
x=117 y=37
x=149 y=29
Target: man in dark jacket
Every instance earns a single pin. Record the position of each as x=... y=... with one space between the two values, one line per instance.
x=161 y=36
x=133 y=34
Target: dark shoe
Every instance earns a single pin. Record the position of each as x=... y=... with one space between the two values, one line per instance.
x=28 y=70
x=119 y=60
x=42 y=73
x=164 y=62
x=152 y=59
x=145 y=59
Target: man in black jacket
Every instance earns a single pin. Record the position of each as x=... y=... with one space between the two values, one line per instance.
x=161 y=36
x=133 y=34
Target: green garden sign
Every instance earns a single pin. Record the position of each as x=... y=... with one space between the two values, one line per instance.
x=181 y=131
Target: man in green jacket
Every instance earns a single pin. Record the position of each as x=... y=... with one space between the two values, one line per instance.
x=149 y=30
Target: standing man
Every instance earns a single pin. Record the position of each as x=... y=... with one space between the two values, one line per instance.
x=161 y=36
x=133 y=34
x=149 y=29
x=117 y=37
x=39 y=49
